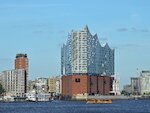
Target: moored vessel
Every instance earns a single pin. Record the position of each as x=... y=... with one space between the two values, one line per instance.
x=97 y=101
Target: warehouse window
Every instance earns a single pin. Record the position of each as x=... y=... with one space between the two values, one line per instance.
x=77 y=80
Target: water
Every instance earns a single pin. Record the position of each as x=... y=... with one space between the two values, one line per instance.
x=118 y=106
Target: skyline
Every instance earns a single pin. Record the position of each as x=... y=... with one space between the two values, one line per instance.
x=40 y=28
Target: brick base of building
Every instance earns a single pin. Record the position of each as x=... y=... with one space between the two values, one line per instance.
x=85 y=84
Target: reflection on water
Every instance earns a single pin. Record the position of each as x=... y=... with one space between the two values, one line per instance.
x=118 y=106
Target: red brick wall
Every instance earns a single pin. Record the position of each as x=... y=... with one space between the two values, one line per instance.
x=106 y=85
x=20 y=63
x=88 y=84
x=93 y=85
x=79 y=87
x=100 y=85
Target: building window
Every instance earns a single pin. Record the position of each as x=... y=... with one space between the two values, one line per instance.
x=77 y=79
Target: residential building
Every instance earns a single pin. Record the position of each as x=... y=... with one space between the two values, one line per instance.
x=127 y=89
x=32 y=85
x=51 y=85
x=13 y=82
x=135 y=85
x=54 y=85
x=145 y=82
x=21 y=62
x=41 y=85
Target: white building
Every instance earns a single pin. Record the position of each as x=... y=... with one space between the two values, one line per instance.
x=14 y=82
x=83 y=54
x=115 y=87
x=145 y=82
x=41 y=85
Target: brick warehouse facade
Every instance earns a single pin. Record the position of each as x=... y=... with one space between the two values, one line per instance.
x=85 y=84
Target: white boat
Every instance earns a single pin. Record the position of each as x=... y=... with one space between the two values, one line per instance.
x=31 y=97
x=42 y=97
x=8 y=99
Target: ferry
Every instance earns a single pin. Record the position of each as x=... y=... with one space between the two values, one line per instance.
x=97 y=101
x=38 y=97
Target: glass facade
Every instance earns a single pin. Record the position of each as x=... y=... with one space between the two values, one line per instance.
x=83 y=54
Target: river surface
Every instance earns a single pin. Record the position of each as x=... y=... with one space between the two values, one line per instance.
x=118 y=106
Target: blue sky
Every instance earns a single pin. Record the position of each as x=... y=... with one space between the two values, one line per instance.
x=40 y=27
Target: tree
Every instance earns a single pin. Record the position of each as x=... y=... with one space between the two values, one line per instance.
x=1 y=89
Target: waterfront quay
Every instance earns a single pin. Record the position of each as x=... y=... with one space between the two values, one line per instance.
x=101 y=97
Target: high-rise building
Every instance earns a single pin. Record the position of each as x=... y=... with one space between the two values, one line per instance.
x=145 y=82
x=86 y=65
x=83 y=54
x=21 y=62
x=14 y=83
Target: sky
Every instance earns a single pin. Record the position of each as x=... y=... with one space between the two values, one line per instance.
x=40 y=27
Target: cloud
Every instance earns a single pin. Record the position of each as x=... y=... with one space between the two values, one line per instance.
x=31 y=25
x=130 y=45
x=144 y=30
x=139 y=30
x=122 y=29
x=132 y=29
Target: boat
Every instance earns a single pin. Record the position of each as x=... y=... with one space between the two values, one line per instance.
x=42 y=97
x=8 y=99
x=98 y=101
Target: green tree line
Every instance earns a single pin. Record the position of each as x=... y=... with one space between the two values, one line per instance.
x=1 y=89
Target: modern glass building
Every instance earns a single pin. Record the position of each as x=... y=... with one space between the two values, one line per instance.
x=83 y=54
